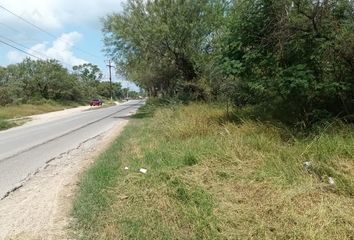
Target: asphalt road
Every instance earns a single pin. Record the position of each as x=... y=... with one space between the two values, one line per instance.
x=26 y=149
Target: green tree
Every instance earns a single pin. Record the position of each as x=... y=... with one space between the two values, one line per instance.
x=104 y=90
x=159 y=44
x=89 y=76
x=33 y=80
x=290 y=54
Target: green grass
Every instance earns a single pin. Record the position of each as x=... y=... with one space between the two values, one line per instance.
x=10 y=116
x=212 y=178
x=5 y=124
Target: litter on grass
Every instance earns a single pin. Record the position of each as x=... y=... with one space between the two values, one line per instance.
x=307 y=165
x=143 y=170
x=331 y=181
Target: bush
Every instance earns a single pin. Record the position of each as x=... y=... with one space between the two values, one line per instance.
x=5 y=97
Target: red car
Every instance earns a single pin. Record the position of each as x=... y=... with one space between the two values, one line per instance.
x=96 y=102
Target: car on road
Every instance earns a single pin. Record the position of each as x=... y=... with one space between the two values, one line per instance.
x=96 y=102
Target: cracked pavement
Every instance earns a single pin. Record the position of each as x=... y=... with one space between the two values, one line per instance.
x=27 y=149
x=41 y=208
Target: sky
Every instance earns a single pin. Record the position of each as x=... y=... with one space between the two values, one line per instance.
x=72 y=32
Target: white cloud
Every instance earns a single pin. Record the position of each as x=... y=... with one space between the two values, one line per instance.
x=60 y=49
x=55 y=17
x=54 y=14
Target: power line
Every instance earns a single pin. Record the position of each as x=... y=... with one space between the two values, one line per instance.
x=42 y=30
x=38 y=52
x=69 y=65
x=25 y=52
x=19 y=32
x=9 y=27
x=26 y=21
x=21 y=45
x=36 y=41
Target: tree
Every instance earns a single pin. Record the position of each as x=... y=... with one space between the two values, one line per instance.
x=88 y=72
x=290 y=54
x=89 y=76
x=103 y=90
x=159 y=44
x=34 y=80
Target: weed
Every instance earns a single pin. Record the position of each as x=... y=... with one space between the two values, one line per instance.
x=216 y=177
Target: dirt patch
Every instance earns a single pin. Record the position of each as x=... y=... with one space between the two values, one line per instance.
x=45 y=117
x=41 y=208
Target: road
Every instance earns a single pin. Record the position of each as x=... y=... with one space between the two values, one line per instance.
x=26 y=149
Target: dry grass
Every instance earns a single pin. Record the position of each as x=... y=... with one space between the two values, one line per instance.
x=212 y=178
x=13 y=115
x=23 y=110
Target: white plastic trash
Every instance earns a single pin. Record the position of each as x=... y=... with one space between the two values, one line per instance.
x=307 y=166
x=126 y=168
x=143 y=170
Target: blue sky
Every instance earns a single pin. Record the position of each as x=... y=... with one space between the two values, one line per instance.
x=75 y=27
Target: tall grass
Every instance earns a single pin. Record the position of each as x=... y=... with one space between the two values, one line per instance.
x=213 y=177
x=5 y=124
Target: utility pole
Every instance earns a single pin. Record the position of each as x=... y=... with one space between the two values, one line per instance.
x=110 y=78
x=127 y=90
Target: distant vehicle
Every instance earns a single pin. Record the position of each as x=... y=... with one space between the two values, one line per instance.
x=96 y=102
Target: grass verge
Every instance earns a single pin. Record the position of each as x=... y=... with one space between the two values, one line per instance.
x=210 y=177
x=13 y=115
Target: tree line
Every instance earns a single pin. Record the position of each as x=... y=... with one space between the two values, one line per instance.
x=291 y=57
x=35 y=81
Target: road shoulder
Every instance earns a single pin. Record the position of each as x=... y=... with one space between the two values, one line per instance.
x=41 y=208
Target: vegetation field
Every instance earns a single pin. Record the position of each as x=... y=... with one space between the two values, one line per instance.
x=215 y=176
